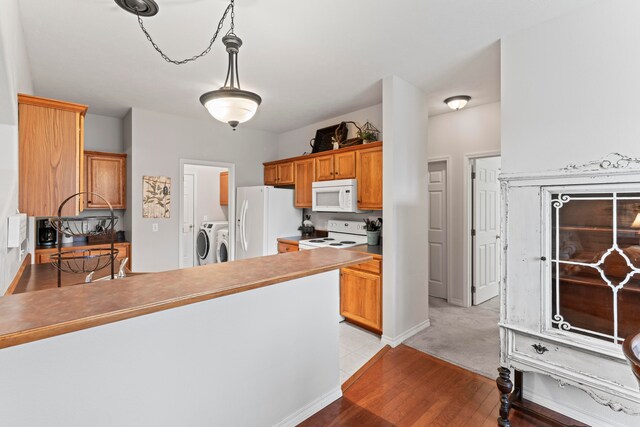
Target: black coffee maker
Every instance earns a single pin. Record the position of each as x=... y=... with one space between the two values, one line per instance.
x=47 y=235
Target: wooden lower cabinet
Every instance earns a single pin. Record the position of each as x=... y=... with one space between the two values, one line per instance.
x=286 y=247
x=124 y=251
x=361 y=297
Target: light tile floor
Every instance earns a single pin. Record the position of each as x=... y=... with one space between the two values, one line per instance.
x=357 y=346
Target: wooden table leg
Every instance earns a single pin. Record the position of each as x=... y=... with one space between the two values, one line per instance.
x=505 y=386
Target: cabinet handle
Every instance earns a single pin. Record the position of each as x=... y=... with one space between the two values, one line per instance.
x=539 y=348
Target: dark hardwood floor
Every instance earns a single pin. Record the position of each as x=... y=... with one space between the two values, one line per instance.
x=405 y=387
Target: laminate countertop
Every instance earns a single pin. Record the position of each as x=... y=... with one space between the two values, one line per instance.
x=33 y=316
x=375 y=251
x=38 y=277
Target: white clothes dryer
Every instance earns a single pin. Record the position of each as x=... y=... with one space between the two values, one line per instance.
x=206 y=241
x=222 y=252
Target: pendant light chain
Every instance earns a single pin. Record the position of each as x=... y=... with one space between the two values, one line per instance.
x=230 y=7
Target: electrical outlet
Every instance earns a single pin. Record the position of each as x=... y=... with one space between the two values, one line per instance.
x=154 y=227
x=205 y=218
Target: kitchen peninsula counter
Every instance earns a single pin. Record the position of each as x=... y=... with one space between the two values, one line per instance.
x=34 y=316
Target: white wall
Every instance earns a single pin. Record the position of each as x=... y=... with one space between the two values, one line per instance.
x=570 y=88
x=103 y=133
x=565 y=86
x=158 y=142
x=15 y=77
x=296 y=142
x=197 y=365
x=207 y=193
x=452 y=136
x=405 y=246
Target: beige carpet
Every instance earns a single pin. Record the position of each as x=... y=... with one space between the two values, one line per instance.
x=467 y=337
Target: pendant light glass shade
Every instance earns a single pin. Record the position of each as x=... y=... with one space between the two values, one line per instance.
x=230 y=104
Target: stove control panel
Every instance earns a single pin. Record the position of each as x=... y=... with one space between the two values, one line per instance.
x=351 y=227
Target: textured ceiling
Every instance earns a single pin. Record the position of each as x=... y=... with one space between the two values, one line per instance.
x=309 y=60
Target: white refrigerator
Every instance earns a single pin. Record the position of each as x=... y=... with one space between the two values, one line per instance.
x=263 y=214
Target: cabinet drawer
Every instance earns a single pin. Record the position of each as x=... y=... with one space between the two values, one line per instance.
x=543 y=353
x=286 y=247
x=373 y=266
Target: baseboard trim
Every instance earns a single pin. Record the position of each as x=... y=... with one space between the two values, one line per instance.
x=456 y=301
x=577 y=414
x=311 y=408
x=394 y=342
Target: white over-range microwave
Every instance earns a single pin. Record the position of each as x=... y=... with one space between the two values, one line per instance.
x=340 y=195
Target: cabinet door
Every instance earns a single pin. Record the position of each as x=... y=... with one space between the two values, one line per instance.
x=106 y=176
x=369 y=175
x=49 y=160
x=224 y=188
x=285 y=174
x=305 y=173
x=286 y=247
x=345 y=165
x=324 y=168
x=271 y=175
x=361 y=298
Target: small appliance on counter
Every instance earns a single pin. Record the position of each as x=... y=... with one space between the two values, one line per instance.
x=47 y=235
x=342 y=234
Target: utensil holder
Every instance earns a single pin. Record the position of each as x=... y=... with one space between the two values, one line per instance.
x=373 y=237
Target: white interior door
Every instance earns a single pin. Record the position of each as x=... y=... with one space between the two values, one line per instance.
x=438 y=229
x=188 y=226
x=486 y=226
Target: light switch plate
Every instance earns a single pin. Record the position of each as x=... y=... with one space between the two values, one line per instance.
x=154 y=227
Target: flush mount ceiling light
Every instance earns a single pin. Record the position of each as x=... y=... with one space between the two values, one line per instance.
x=457 y=102
x=229 y=104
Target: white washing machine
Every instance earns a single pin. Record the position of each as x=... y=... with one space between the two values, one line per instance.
x=206 y=241
x=222 y=251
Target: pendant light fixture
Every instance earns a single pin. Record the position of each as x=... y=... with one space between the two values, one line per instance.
x=229 y=104
x=457 y=102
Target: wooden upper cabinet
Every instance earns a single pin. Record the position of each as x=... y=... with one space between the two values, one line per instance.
x=344 y=165
x=50 y=155
x=224 y=188
x=304 y=176
x=369 y=175
x=285 y=174
x=271 y=175
x=324 y=168
x=106 y=176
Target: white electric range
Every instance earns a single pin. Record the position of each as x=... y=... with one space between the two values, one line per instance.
x=342 y=234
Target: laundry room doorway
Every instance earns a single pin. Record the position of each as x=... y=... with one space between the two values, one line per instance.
x=206 y=210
